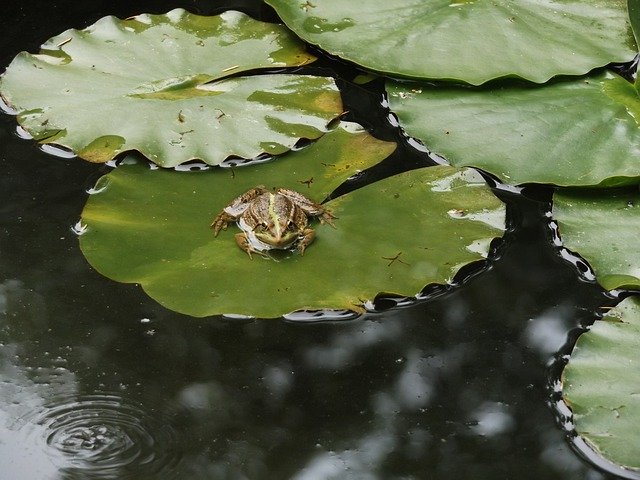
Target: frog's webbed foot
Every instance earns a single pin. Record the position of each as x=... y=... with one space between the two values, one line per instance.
x=221 y=222
x=328 y=217
x=307 y=236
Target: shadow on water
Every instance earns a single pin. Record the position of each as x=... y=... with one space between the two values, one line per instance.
x=98 y=381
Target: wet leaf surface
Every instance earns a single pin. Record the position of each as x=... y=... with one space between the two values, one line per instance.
x=573 y=133
x=634 y=17
x=171 y=86
x=396 y=235
x=603 y=228
x=466 y=40
x=602 y=381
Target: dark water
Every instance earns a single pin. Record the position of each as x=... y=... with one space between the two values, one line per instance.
x=99 y=382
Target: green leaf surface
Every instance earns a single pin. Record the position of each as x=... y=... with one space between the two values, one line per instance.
x=603 y=228
x=466 y=40
x=582 y=132
x=601 y=384
x=396 y=235
x=634 y=17
x=170 y=86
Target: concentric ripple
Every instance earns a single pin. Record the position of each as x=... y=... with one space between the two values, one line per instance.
x=100 y=436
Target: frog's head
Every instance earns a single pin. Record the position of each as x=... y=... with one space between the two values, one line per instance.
x=283 y=224
x=276 y=235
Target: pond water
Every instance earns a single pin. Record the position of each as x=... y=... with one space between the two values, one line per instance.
x=97 y=381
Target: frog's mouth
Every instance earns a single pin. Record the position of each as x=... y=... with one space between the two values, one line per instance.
x=282 y=241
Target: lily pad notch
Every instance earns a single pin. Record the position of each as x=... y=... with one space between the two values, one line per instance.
x=602 y=227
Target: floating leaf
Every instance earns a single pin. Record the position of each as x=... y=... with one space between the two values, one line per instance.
x=471 y=41
x=581 y=133
x=634 y=17
x=396 y=235
x=601 y=384
x=170 y=86
x=603 y=228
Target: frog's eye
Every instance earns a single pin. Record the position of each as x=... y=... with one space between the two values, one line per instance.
x=291 y=226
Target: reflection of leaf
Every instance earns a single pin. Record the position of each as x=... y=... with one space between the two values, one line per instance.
x=161 y=84
x=601 y=384
x=397 y=235
x=603 y=228
x=471 y=41
x=581 y=132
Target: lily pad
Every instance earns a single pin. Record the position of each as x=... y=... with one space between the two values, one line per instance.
x=396 y=235
x=603 y=228
x=634 y=16
x=583 y=132
x=466 y=40
x=173 y=86
x=601 y=384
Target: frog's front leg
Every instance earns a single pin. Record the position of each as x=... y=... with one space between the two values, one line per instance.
x=235 y=209
x=323 y=214
x=326 y=216
x=221 y=222
x=243 y=242
x=307 y=236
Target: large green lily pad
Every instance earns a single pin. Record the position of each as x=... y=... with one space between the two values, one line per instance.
x=172 y=87
x=466 y=40
x=395 y=236
x=582 y=132
x=601 y=384
x=603 y=228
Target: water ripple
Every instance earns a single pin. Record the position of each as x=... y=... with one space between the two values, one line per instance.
x=101 y=436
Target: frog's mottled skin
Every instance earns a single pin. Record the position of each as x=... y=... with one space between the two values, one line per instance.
x=278 y=219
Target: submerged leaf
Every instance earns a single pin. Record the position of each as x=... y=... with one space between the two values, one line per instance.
x=601 y=384
x=467 y=40
x=603 y=228
x=396 y=235
x=576 y=133
x=170 y=86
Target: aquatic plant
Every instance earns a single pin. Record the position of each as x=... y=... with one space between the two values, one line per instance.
x=516 y=90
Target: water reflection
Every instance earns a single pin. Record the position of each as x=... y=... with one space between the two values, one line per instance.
x=493 y=418
x=21 y=455
x=453 y=386
x=344 y=347
x=103 y=436
x=57 y=150
x=547 y=333
x=49 y=431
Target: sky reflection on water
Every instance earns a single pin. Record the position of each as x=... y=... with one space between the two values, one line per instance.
x=442 y=387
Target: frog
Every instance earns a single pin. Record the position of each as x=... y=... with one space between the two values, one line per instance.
x=272 y=219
